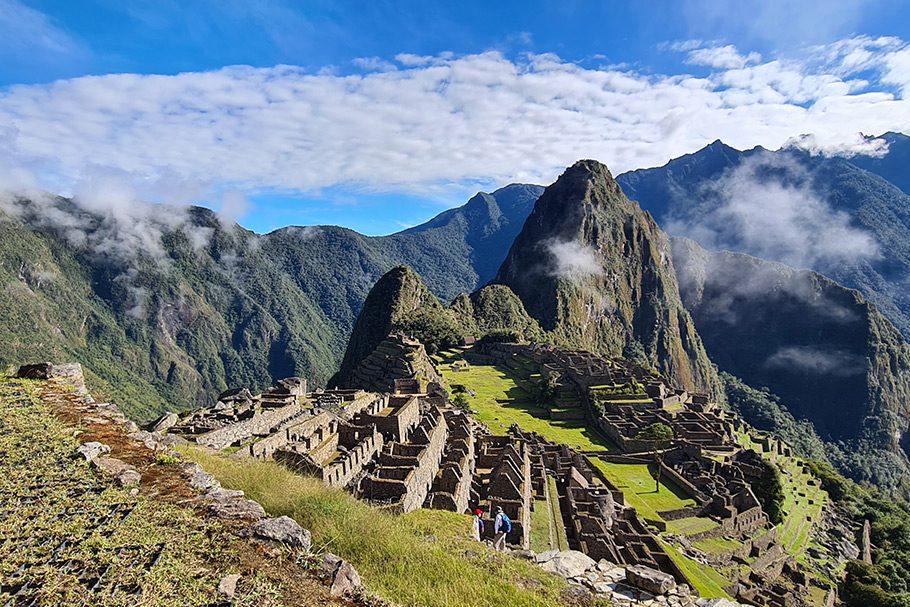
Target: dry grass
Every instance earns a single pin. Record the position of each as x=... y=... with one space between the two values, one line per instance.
x=423 y=558
x=69 y=537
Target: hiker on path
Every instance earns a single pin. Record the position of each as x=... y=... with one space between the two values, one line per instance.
x=477 y=526
x=501 y=527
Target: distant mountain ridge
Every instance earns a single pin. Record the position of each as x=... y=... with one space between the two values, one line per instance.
x=167 y=309
x=851 y=198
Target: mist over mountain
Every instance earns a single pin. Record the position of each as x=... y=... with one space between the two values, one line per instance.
x=829 y=355
x=838 y=216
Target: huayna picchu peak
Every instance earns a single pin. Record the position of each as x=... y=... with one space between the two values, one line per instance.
x=597 y=273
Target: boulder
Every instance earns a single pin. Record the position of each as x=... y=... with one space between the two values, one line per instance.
x=569 y=563
x=151 y=440
x=343 y=578
x=228 y=585
x=237 y=508
x=199 y=479
x=219 y=494
x=283 y=529
x=165 y=422
x=651 y=580
x=91 y=450
x=547 y=555
x=527 y=555
x=123 y=474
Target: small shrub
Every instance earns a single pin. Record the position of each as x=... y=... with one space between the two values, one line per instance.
x=656 y=431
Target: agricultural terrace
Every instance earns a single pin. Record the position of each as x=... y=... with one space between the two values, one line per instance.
x=804 y=500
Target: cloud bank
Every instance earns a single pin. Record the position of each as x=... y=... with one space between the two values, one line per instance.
x=418 y=123
x=816 y=361
x=769 y=207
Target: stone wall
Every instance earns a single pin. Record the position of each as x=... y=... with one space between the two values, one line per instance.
x=452 y=486
x=259 y=424
x=405 y=472
x=395 y=424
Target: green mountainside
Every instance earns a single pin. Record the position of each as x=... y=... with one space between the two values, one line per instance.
x=396 y=303
x=842 y=216
x=596 y=272
x=167 y=309
x=400 y=303
x=829 y=355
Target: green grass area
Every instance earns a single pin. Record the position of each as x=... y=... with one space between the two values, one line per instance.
x=799 y=514
x=540 y=526
x=60 y=511
x=562 y=542
x=639 y=489
x=691 y=525
x=424 y=558
x=501 y=402
x=717 y=545
x=707 y=582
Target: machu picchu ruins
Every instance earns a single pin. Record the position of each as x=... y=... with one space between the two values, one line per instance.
x=396 y=438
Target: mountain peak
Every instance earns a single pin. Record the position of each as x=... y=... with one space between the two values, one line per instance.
x=595 y=271
x=397 y=294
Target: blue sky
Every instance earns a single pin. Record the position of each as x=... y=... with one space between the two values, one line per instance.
x=378 y=115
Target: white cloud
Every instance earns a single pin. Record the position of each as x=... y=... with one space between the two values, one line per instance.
x=25 y=32
x=768 y=206
x=432 y=122
x=815 y=360
x=722 y=57
x=573 y=260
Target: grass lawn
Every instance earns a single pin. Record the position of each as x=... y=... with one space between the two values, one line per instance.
x=691 y=525
x=540 y=526
x=425 y=557
x=708 y=582
x=717 y=545
x=637 y=485
x=501 y=402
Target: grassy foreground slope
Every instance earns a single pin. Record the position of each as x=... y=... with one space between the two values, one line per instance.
x=424 y=558
x=68 y=536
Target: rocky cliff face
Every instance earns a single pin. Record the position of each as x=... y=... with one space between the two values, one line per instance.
x=828 y=353
x=597 y=273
